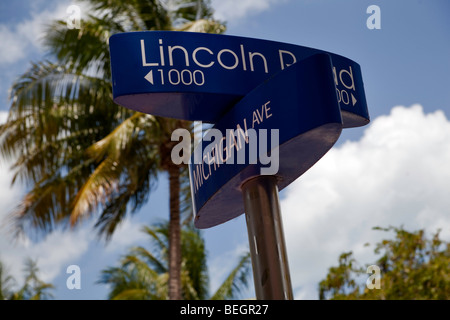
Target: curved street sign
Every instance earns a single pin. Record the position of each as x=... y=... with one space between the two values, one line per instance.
x=199 y=76
x=289 y=122
x=278 y=107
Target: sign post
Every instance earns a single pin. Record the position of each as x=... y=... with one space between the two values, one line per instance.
x=277 y=109
x=306 y=123
x=266 y=239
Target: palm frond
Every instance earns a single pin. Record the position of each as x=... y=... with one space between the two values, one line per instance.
x=155 y=262
x=133 y=15
x=127 y=169
x=158 y=235
x=118 y=139
x=48 y=202
x=203 y=25
x=135 y=279
x=34 y=288
x=236 y=280
x=83 y=50
x=57 y=111
x=7 y=283
x=195 y=260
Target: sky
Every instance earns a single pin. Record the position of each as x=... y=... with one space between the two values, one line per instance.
x=394 y=171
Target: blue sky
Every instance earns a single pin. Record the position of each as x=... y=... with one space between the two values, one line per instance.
x=394 y=171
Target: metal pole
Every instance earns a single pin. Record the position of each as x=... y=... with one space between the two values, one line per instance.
x=266 y=239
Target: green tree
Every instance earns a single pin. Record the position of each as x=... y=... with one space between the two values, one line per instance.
x=185 y=11
x=143 y=274
x=7 y=283
x=33 y=288
x=77 y=151
x=412 y=267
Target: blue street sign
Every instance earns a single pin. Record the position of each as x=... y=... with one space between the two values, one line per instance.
x=295 y=115
x=198 y=76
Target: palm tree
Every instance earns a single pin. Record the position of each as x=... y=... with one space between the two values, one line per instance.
x=6 y=283
x=33 y=288
x=77 y=151
x=143 y=274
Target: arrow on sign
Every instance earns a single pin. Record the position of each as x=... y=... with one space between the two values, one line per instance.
x=149 y=77
x=224 y=81
x=353 y=98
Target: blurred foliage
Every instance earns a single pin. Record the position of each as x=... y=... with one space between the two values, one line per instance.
x=32 y=289
x=143 y=273
x=412 y=267
x=77 y=151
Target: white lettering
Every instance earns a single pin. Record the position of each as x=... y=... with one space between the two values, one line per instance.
x=184 y=147
x=244 y=65
x=226 y=58
x=171 y=78
x=144 y=61
x=266 y=155
x=267 y=110
x=251 y=55
x=73 y=21
x=350 y=74
x=171 y=49
x=374 y=281
x=374 y=21
x=233 y=54
x=194 y=57
x=283 y=65
x=161 y=52
x=74 y=281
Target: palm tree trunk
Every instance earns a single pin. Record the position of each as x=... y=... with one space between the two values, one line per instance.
x=174 y=234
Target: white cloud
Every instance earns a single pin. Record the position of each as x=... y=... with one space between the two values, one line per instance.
x=54 y=253
x=127 y=234
x=232 y=10
x=397 y=174
x=220 y=267
x=60 y=248
x=26 y=36
x=3 y=116
x=8 y=193
x=13 y=48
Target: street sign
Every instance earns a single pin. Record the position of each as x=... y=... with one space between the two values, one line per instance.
x=300 y=103
x=277 y=108
x=199 y=76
